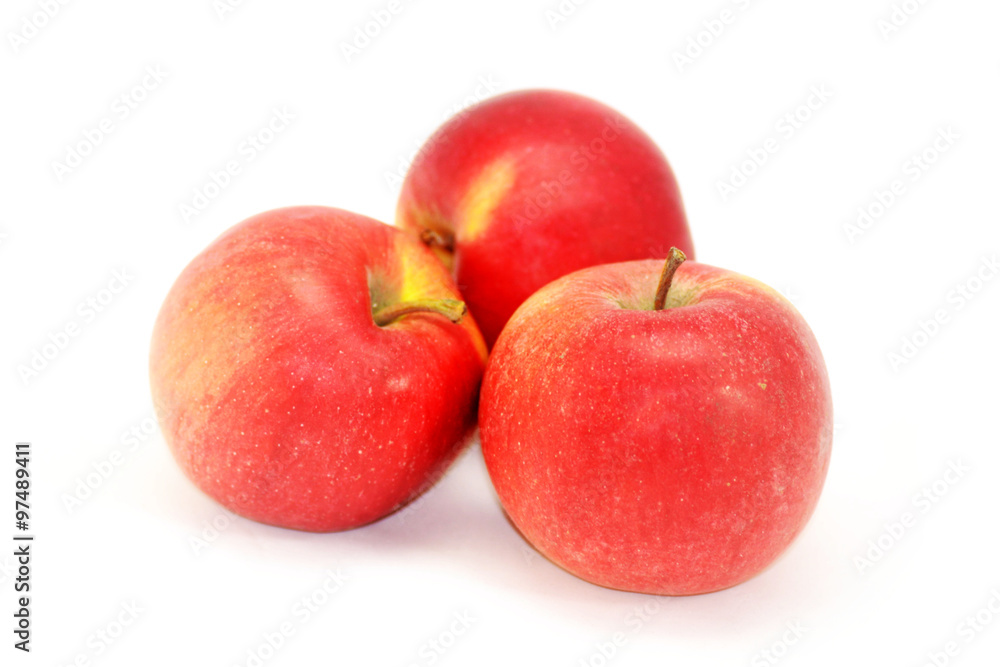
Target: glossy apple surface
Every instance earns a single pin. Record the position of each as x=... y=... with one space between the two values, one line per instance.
x=294 y=383
x=674 y=451
x=529 y=186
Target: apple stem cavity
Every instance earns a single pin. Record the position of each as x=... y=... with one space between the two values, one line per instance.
x=453 y=309
x=442 y=239
x=674 y=260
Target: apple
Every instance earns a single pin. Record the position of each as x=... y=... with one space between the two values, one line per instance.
x=313 y=369
x=531 y=185
x=658 y=429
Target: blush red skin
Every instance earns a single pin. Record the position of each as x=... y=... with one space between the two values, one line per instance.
x=637 y=449
x=624 y=204
x=278 y=395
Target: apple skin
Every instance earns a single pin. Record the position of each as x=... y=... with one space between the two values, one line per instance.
x=671 y=452
x=278 y=394
x=532 y=185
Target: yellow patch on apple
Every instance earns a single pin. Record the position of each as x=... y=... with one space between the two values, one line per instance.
x=486 y=193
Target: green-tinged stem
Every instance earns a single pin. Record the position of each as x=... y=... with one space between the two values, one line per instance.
x=674 y=260
x=453 y=309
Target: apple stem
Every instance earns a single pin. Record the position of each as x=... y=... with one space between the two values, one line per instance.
x=444 y=239
x=453 y=309
x=674 y=260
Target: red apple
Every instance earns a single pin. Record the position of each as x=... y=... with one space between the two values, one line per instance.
x=529 y=186
x=308 y=370
x=670 y=451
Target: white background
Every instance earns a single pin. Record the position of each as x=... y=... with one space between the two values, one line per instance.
x=899 y=426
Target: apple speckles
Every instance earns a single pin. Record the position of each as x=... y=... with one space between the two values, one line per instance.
x=737 y=469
